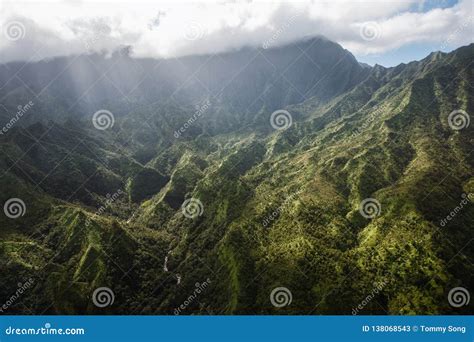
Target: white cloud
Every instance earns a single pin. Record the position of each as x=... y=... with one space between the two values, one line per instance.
x=166 y=29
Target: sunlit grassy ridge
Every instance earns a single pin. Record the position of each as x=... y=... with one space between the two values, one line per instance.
x=280 y=208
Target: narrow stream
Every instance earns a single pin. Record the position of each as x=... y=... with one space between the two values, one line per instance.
x=165 y=268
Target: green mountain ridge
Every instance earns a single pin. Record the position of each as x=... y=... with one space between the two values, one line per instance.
x=280 y=208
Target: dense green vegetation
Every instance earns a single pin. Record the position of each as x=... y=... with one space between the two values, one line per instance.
x=384 y=135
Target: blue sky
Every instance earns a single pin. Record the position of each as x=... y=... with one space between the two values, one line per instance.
x=430 y=4
x=404 y=54
x=419 y=50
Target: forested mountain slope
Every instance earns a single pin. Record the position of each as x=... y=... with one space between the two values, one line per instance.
x=269 y=207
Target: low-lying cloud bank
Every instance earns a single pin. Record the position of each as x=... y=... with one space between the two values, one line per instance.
x=37 y=30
